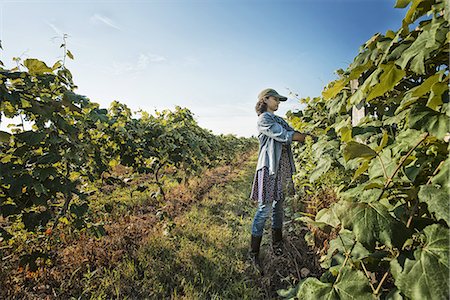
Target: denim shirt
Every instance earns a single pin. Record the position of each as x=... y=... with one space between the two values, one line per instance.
x=273 y=131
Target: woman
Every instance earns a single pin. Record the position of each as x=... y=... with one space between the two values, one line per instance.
x=273 y=178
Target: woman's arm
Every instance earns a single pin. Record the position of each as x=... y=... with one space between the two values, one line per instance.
x=300 y=137
x=268 y=126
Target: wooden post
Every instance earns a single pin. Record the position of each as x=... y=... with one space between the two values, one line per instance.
x=358 y=111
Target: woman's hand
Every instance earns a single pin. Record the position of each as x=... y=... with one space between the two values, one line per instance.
x=300 y=137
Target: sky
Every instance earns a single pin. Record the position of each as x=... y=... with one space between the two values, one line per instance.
x=212 y=57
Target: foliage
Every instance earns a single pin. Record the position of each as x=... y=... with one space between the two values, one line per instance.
x=46 y=173
x=394 y=206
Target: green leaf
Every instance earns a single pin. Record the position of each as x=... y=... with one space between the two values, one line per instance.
x=427 y=275
x=98 y=230
x=435 y=100
x=416 y=167
x=371 y=222
x=4 y=136
x=427 y=120
x=79 y=210
x=323 y=166
x=425 y=87
x=376 y=168
x=402 y=3
x=418 y=8
x=357 y=70
x=323 y=226
x=69 y=54
x=361 y=92
x=442 y=177
x=420 y=49
x=36 y=67
x=390 y=77
x=344 y=243
x=56 y=65
x=346 y=134
x=31 y=137
x=383 y=142
x=390 y=34
x=352 y=284
x=437 y=201
x=25 y=103
x=5 y=235
x=361 y=169
x=327 y=216
x=9 y=209
x=39 y=188
x=49 y=158
x=33 y=219
x=394 y=294
x=354 y=149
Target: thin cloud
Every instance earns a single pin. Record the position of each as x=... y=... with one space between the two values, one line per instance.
x=55 y=29
x=190 y=61
x=104 y=20
x=142 y=63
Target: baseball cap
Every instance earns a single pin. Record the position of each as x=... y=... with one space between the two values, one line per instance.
x=271 y=92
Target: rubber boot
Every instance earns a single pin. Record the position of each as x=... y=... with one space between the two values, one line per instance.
x=277 y=241
x=254 y=252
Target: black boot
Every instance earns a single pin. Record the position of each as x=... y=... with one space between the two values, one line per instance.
x=277 y=241
x=254 y=252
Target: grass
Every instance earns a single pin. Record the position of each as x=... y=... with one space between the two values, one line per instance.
x=201 y=255
x=195 y=248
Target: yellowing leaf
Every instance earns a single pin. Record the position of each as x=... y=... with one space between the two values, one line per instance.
x=335 y=89
x=390 y=77
x=402 y=3
x=346 y=134
x=36 y=67
x=425 y=87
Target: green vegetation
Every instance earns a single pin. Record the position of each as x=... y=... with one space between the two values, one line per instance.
x=201 y=256
x=56 y=177
x=387 y=228
x=98 y=203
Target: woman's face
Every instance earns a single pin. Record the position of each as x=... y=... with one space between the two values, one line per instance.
x=272 y=103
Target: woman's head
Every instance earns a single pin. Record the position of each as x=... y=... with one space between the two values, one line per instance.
x=268 y=100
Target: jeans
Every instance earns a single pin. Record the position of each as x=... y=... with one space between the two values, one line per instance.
x=263 y=213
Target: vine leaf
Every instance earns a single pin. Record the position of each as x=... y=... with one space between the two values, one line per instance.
x=427 y=120
x=371 y=222
x=328 y=216
x=36 y=67
x=402 y=3
x=69 y=54
x=420 y=49
x=355 y=149
x=436 y=200
x=351 y=285
x=427 y=275
x=323 y=166
x=335 y=89
x=390 y=77
x=4 y=136
x=442 y=178
x=339 y=245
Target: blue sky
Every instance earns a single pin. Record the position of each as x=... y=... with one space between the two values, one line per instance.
x=213 y=57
